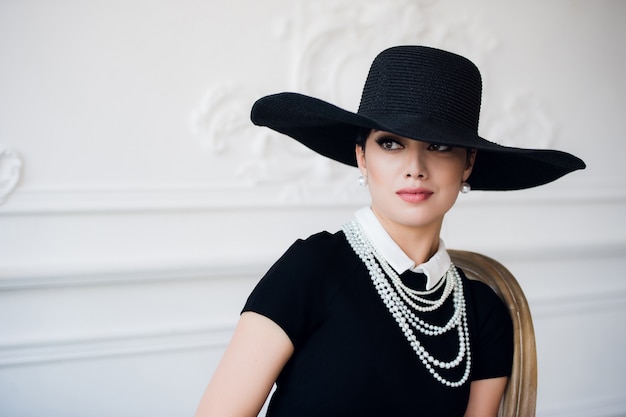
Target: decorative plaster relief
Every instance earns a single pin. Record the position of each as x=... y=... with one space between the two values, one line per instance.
x=259 y=156
x=523 y=122
x=10 y=172
x=332 y=45
x=223 y=113
x=335 y=41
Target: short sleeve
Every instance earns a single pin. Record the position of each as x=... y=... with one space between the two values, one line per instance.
x=492 y=347
x=293 y=291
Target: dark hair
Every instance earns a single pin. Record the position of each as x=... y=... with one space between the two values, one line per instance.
x=364 y=132
x=361 y=136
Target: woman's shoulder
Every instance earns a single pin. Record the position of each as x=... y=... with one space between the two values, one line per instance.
x=317 y=250
x=482 y=296
x=294 y=292
x=485 y=304
x=303 y=263
x=323 y=239
x=477 y=287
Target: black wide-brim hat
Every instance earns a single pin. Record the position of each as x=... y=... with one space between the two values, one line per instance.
x=421 y=93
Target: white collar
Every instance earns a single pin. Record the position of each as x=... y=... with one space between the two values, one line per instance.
x=434 y=268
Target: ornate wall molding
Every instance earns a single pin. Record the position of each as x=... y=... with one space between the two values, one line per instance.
x=343 y=193
x=140 y=274
x=586 y=407
x=10 y=172
x=328 y=59
x=258 y=156
x=33 y=280
x=569 y=306
x=216 y=337
x=169 y=340
x=331 y=58
x=150 y=199
x=523 y=121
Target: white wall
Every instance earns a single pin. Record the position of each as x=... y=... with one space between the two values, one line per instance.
x=139 y=206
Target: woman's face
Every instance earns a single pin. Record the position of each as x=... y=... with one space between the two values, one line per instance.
x=412 y=183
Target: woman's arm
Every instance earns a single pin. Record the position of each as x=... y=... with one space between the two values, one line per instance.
x=244 y=377
x=485 y=397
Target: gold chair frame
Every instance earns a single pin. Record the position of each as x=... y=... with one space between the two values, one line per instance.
x=520 y=395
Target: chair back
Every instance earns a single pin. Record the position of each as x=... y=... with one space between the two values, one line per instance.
x=520 y=395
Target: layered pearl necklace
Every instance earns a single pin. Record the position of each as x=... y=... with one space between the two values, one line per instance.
x=403 y=303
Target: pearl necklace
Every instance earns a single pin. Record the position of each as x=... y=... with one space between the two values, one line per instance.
x=402 y=301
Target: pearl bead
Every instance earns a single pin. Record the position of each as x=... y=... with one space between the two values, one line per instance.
x=400 y=299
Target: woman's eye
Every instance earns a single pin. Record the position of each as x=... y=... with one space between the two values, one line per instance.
x=389 y=144
x=439 y=148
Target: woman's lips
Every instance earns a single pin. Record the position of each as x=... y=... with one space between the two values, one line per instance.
x=414 y=195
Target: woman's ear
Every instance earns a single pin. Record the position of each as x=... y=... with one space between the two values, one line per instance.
x=360 y=159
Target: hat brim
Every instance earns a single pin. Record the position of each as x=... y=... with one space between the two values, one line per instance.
x=331 y=131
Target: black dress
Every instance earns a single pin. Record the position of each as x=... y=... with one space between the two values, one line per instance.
x=350 y=357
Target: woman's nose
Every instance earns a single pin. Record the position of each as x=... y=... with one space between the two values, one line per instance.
x=416 y=165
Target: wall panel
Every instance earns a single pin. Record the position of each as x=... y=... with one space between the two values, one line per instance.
x=138 y=206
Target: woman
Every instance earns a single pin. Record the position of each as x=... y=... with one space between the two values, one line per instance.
x=375 y=319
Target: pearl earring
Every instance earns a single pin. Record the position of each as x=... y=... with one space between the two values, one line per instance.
x=465 y=187
x=362 y=181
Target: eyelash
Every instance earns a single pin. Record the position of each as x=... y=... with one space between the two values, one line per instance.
x=383 y=142
x=388 y=145
x=438 y=147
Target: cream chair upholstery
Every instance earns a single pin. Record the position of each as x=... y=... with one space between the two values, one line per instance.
x=520 y=397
